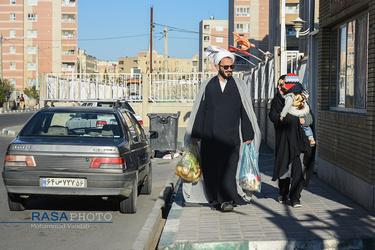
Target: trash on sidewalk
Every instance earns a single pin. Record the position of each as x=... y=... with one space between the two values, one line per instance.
x=169 y=156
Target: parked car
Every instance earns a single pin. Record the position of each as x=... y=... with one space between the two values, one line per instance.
x=55 y=155
x=111 y=103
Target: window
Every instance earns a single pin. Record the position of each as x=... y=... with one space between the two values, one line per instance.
x=131 y=124
x=12 y=66
x=291 y=8
x=31 y=66
x=350 y=63
x=12 y=49
x=220 y=28
x=206 y=39
x=12 y=17
x=188 y=63
x=30 y=81
x=31 y=50
x=12 y=2
x=32 y=34
x=12 y=33
x=74 y=124
x=12 y=82
x=243 y=27
x=32 y=17
x=32 y=2
x=243 y=11
x=206 y=27
x=219 y=39
x=290 y=31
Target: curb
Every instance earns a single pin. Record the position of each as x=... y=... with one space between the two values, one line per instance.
x=17 y=111
x=149 y=236
x=7 y=132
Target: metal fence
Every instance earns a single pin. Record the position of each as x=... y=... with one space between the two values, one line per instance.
x=162 y=87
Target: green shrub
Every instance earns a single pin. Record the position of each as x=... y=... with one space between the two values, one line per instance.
x=5 y=91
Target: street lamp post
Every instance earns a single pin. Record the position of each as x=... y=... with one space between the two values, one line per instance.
x=297 y=24
x=283 y=66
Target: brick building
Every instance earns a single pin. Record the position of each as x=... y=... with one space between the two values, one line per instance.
x=346 y=97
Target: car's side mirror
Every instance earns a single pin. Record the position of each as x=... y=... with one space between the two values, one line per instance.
x=153 y=134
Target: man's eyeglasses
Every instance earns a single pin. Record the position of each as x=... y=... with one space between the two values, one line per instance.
x=227 y=66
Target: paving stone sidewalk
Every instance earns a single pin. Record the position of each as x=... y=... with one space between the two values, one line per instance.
x=326 y=220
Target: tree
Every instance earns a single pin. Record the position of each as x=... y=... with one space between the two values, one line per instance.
x=5 y=91
x=32 y=92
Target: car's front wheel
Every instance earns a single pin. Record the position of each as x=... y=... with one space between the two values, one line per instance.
x=16 y=203
x=129 y=205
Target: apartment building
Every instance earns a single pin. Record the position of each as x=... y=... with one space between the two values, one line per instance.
x=292 y=8
x=86 y=64
x=211 y=32
x=142 y=63
x=38 y=37
x=249 y=18
x=107 y=67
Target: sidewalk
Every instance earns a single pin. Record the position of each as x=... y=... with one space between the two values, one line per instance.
x=326 y=220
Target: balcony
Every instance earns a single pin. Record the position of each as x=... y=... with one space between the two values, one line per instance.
x=68 y=34
x=68 y=3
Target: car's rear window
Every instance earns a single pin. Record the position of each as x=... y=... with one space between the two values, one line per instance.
x=73 y=124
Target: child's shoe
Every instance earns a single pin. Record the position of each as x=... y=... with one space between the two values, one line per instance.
x=312 y=141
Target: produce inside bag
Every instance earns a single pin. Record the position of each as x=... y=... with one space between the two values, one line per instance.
x=188 y=168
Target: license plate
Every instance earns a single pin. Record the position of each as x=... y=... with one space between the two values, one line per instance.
x=63 y=182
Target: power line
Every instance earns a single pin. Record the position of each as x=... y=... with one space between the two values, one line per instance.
x=171 y=28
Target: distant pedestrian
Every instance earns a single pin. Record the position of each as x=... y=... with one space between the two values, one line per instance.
x=223 y=121
x=294 y=158
x=296 y=102
x=18 y=100
x=22 y=102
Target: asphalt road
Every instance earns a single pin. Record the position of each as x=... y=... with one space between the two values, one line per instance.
x=30 y=229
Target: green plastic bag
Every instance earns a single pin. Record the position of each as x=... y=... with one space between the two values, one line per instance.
x=188 y=168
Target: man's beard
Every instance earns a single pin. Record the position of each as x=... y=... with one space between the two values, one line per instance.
x=221 y=72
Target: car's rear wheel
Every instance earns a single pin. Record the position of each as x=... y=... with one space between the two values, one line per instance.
x=146 y=187
x=129 y=205
x=16 y=203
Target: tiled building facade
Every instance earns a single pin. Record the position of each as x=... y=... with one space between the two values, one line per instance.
x=38 y=36
x=346 y=110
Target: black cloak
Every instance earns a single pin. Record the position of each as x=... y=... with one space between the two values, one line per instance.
x=291 y=141
x=217 y=123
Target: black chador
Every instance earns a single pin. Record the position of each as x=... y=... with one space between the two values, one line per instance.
x=217 y=123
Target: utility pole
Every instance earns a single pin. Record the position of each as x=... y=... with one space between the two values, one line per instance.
x=1 y=55
x=37 y=67
x=283 y=63
x=151 y=34
x=165 y=49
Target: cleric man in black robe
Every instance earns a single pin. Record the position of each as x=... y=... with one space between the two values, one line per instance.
x=221 y=124
x=294 y=158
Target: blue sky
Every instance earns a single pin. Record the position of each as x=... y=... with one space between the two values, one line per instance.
x=118 y=28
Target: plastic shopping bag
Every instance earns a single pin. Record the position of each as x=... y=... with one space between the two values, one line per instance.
x=188 y=168
x=249 y=175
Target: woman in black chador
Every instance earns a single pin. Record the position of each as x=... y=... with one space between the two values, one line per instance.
x=294 y=158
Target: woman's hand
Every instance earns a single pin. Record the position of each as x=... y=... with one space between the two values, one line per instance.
x=301 y=121
x=248 y=142
x=195 y=140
